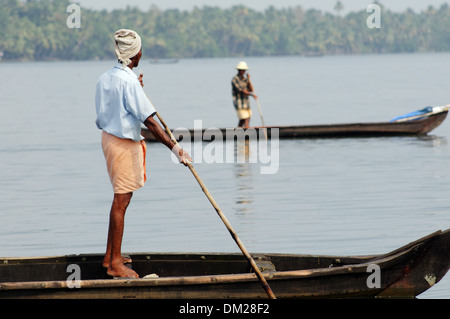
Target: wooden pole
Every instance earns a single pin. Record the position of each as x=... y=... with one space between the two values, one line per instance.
x=262 y=119
x=205 y=190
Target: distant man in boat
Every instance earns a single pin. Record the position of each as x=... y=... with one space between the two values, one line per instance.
x=122 y=106
x=242 y=88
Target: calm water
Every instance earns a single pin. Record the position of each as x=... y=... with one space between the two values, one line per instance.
x=329 y=196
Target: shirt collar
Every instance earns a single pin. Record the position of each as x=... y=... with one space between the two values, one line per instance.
x=126 y=69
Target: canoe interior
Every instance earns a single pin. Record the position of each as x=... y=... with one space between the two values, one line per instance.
x=405 y=273
x=51 y=268
x=163 y=264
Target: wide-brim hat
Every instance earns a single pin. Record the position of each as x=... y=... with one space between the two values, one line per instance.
x=242 y=66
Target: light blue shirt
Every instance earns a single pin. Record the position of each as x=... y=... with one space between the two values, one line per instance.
x=121 y=103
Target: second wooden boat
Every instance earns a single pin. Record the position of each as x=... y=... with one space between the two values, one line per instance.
x=413 y=124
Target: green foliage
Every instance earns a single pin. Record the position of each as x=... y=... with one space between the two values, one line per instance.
x=37 y=30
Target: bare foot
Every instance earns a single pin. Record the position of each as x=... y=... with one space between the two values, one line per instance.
x=121 y=271
x=125 y=260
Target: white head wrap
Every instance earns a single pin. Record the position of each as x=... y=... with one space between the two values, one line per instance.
x=128 y=45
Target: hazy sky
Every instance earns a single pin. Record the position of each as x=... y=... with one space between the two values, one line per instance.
x=324 y=5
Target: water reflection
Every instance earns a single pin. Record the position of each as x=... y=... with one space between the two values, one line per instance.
x=433 y=140
x=244 y=198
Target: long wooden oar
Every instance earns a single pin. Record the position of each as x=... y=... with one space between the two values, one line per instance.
x=224 y=219
x=261 y=116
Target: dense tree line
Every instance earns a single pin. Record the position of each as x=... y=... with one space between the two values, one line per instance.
x=37 y=30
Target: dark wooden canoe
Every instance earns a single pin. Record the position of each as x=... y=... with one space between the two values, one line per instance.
x=405 y=272
x=405 y=127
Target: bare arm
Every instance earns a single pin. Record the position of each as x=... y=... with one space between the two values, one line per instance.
x=162 y=137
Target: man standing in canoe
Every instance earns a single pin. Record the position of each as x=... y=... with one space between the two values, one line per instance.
x=241 y=89
x=122 y=107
